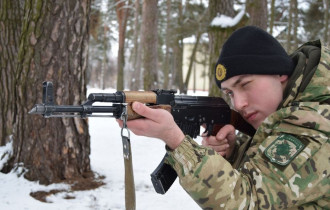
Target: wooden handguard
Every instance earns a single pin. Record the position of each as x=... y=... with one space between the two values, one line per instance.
x=146 y=97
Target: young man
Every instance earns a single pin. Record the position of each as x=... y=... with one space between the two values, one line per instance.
x=286 y=164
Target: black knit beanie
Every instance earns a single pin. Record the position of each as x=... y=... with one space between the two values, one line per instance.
x=250 y=50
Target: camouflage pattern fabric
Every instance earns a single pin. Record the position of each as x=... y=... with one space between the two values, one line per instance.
x=287 y=164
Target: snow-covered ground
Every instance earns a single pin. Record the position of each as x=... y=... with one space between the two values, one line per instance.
x=106 y=160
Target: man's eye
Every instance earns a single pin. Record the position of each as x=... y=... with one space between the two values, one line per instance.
x=245 y=83
x=229 y=93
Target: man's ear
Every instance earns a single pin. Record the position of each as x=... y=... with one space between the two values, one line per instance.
x=284 y=78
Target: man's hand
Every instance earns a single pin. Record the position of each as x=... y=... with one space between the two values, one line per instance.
x=224 y=142
x=158 y=123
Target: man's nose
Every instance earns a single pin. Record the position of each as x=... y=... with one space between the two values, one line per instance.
x=240 y=102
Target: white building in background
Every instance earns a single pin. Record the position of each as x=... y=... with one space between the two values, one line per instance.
x=199 y=79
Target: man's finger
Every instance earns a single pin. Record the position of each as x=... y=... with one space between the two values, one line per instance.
x=212 y=141
x=225 y=131
x=120 y=122
x=221 y=148
x=146 y=111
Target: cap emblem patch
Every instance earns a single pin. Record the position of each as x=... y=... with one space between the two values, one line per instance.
x=220 y=72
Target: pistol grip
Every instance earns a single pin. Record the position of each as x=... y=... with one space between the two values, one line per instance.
x=212 y=130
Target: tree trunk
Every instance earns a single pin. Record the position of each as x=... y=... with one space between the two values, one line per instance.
x=53 y=47
x=295 y=25
x=326 y=22
x=257 y=10
x=178 y=52
x=135 y=85
x=217 y=37
x=150 y=43
x=166 y=64
x=11 y=22
x=122 y=15
x=272 y=16
x=105 y=61
x=289 y=30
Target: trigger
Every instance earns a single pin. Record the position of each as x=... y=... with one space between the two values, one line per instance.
x=208 y=130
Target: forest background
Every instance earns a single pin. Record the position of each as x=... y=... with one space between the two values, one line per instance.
x=121 y=44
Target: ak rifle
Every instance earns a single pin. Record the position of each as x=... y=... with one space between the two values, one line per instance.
x=189 y=112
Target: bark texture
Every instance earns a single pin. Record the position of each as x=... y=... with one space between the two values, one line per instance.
x=53 y=46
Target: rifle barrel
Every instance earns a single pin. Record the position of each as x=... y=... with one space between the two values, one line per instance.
x=81 y=109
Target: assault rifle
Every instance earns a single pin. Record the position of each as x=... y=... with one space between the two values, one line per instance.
x=189 y=112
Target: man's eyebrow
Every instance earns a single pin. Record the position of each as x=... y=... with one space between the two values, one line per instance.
x=239 y=80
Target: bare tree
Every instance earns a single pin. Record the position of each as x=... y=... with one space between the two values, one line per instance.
x=136 y=83
x=150 y=40
x=122 y=16
x=257 y=10
x=314 y=22
x=166 y=65
x=292 y=40
x=177 y=46
x=272 y=16
x=326 y=22
x=218 y=35
x=295 y=24
x=290 y=21
x=102 y=71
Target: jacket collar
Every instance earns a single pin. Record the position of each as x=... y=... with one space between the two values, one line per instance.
x=307 y=59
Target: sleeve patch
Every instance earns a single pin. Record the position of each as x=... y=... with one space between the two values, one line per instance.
x=284 y=149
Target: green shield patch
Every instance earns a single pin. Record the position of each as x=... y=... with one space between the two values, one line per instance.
x=284 y=149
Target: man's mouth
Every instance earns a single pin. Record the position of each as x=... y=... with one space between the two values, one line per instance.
x=251 y=116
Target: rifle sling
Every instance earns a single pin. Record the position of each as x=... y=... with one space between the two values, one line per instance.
x=129 y=177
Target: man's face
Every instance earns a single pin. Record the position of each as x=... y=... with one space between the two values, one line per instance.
x=255 y=97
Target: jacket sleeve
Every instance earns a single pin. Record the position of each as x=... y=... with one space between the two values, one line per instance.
x=214 y=184
x=241 y=144
x=207 y=177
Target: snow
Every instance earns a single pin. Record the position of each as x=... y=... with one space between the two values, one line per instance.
x=278 y=29
x=5 y=153
x=106 y=160
x=192 y=39
x=224 y=21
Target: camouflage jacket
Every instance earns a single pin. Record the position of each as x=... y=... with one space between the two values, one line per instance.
x=287 y=163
